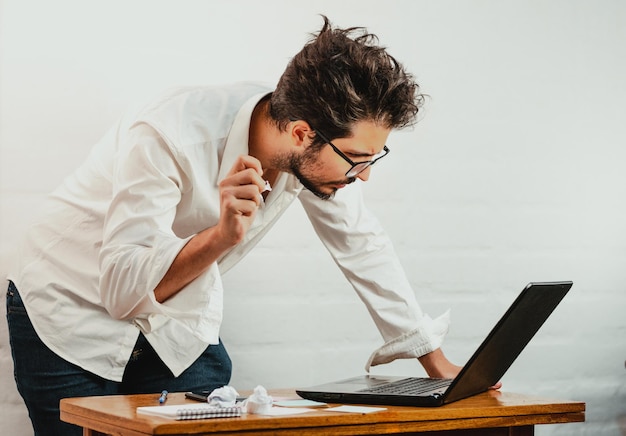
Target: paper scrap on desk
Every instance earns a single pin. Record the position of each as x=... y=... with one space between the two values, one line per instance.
x=282 y=411
x=355 y=409
x=299 y=403
x=225 y=396
x=260 y=402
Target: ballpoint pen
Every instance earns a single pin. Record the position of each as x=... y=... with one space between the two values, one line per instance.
x=267 y=188
x=163 y=397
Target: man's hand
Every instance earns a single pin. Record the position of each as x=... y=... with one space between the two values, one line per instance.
x=437 y=365
x=239 y=199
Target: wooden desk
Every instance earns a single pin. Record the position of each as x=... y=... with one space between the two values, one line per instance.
x=492 y=413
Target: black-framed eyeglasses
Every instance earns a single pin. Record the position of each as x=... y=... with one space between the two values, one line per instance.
x=356 y=167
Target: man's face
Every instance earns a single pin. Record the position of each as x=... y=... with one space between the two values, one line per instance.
x=323 y=171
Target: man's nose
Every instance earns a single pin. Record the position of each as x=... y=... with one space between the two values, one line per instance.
x=365 y=174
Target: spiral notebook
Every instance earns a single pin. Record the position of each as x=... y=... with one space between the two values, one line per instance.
x=191 y=411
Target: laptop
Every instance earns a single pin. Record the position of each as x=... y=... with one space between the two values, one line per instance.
x=484 y=369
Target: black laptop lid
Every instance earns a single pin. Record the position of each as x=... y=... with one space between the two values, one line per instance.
x=507 y=339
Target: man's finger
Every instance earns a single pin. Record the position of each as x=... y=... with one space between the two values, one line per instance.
x=244 y=162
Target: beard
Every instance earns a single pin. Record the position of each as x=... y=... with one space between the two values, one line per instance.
x=304 y=167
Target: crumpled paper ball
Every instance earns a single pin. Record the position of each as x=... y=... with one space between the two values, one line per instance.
x=259 y=402
x=223 y=397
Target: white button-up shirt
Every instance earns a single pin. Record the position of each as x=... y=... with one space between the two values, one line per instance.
x=110 y=232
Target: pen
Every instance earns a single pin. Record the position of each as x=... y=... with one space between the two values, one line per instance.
x=267 y=188
x=163 y=397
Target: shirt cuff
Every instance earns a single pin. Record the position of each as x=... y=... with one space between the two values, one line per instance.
x=426 y=338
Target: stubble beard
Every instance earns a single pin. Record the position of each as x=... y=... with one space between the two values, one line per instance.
x=294 y=163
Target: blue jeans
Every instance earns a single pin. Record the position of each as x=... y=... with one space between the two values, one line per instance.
x=43 y=378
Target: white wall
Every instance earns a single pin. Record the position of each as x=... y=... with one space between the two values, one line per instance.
x=515 y=173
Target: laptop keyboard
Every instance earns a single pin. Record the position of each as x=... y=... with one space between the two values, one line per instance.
x=410 y=386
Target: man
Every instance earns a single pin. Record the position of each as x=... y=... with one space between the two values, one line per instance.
x=119 y=282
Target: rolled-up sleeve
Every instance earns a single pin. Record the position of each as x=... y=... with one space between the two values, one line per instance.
x=365 y=255
x=139 y=243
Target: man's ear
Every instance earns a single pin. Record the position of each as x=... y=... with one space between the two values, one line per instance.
x=301 y=133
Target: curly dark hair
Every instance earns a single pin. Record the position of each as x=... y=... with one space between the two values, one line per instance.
x=340 y=77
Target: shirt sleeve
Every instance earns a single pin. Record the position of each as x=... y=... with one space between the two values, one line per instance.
x=139 y=243
x=365 y=255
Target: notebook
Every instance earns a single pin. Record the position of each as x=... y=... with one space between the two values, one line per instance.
x=484 y=369
x=191 y=411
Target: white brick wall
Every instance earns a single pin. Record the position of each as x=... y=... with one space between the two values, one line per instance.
x=515 y=174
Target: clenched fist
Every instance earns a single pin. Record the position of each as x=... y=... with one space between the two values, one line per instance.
x=240 y=198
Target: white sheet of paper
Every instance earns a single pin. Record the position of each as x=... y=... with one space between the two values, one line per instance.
x=299 y=403
x=282 y=411
x=355 y=409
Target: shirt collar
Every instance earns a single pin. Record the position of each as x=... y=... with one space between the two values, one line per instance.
x=237 y=142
